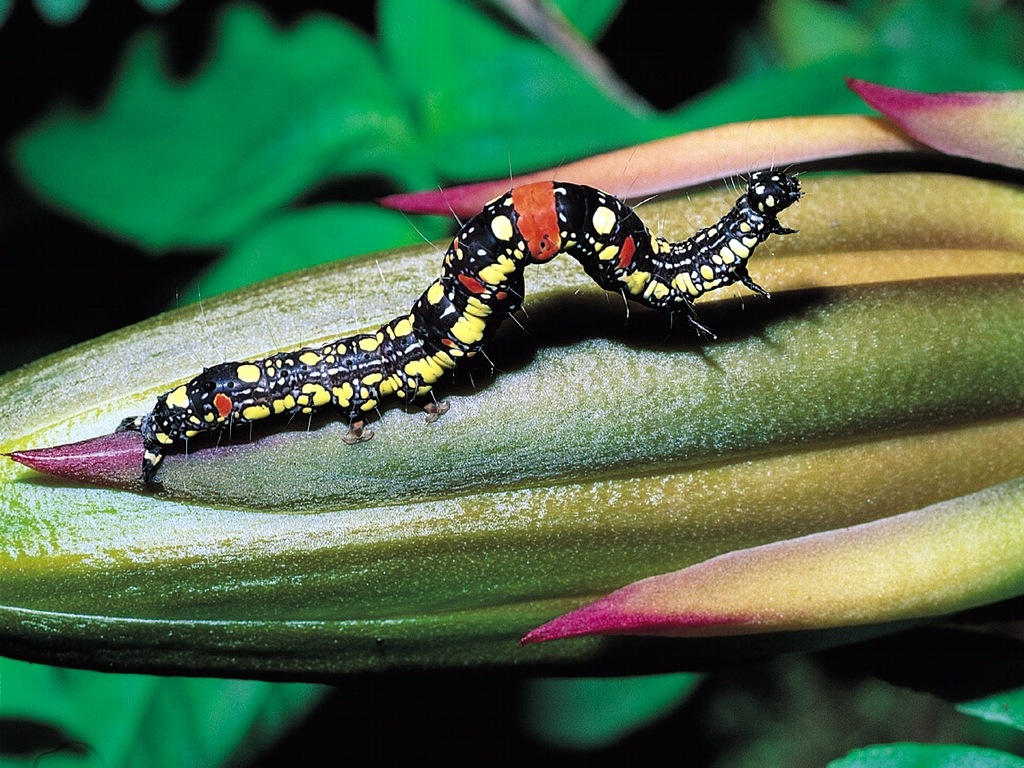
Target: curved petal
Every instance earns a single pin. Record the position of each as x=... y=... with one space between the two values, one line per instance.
x=943 y=558
x=986 y=126
x=686 y=160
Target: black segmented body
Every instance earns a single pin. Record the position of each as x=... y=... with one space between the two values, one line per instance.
x=481 y=284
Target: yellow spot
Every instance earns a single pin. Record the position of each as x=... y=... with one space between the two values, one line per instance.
x=162 y=438
x=191 y=432
x=343 y=394
x=637 y=282
x=320 y=395
x=744 y=227
x=403 y=327
x=422 y=390
x=363 y=393
x=684 y=283
x=426 y=369
x=249 y=373
x=435 y=292
x=444 y=360
x=750 y=242
x=656 y=289
x=603 y=220
x=707 y=272
x=369 y=405
x=371 y=378
x=726 y=256
x=477 y=308
x=178 y=398
x=609 y=253
x=195 y=420
x=468 y=329
x=304 y=401
x=209 y=418
x=152 y=458
x=389 y=385
x=493 y=274
x=501 y=226
x=310 y=358
x=368 y=343
x=738 y=248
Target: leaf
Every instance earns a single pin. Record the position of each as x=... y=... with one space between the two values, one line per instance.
x=487 y=99
x=307 y=237
x=926 y=756
x=594 y=712
x=1005 y=708
x=128 y=720
x=192 y=164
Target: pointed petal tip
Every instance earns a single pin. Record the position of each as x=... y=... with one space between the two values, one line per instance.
x=985 y=126
x=112 y=459
x=607 y=617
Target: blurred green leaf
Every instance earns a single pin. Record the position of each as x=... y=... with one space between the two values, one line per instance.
x=927 y=756
x=311 y=236
x=593 y=712
x=488 y=99
x=1005 y=708
x=60 y=11
x=170 y=164
x=80 y=717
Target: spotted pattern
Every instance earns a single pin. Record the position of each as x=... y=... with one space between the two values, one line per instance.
x=481 y=284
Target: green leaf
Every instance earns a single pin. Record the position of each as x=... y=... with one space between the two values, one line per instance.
x=1005 y=708
x=134 y=720
x=169 y=164
x=311 y=236
x=927 y=756
x=60 y=11
x=593 y=712
x=488 y=100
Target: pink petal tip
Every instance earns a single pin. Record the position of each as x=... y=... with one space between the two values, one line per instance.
x=114 y=459
x=983 y=125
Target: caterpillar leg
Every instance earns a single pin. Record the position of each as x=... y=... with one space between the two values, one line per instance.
x=357 y=432
x=153 y=453
x=748 y=281
x=435 y=410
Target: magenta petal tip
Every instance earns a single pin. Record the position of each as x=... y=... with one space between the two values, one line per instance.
x=113 y=459
x=985 y=126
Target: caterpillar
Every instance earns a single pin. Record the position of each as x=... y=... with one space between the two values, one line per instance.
x=481 y=284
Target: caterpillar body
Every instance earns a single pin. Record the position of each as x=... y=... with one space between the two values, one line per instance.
x=481 y=284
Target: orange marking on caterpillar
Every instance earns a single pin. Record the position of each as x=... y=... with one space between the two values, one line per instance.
x=223 y=404
x=472 y=284
x=626 y=252
x=538 y=219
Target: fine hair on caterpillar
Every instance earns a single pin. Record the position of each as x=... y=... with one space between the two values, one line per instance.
x=481 y=284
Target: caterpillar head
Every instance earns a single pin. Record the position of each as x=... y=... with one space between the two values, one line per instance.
x=772 y=191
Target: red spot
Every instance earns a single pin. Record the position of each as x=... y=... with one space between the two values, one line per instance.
x=501 y=295
x=223 y=404
x=472 y=284
x=626 y=252
x=538 y=220
x=447 y=342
